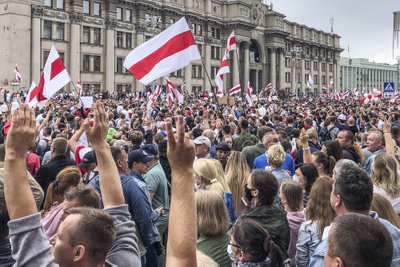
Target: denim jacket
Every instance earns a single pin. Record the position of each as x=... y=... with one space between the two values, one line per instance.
x=307 y=242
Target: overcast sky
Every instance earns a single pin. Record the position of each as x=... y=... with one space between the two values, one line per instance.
x=365 y=26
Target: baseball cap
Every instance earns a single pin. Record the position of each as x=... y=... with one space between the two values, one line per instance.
x=150 y=149
x=139 y=155
x=202 y=140
x=342 y=117
x=223 y=146
x=87 y=159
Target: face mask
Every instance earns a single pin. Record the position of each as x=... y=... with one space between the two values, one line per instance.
x=230 y=253
x=248 y=194
x=296 y=178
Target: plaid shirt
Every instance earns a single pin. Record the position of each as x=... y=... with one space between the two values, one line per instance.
x=317 y=258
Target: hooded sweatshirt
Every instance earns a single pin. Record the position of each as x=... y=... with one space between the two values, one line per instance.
x=295 y=219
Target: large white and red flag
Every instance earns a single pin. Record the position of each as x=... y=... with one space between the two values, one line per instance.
x=234 y=90
x=170 y=97
x=152 y=99
x=31 y=99
x=224 y=66
x=167 y=52
x=177 y=94
x=248 y=94
x=18 y=76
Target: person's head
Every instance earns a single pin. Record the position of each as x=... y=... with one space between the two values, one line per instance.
x=88 y=161
x=349 y=245
x=228 y=139
x=334 y=149
x=209 y=134
x=319 y=208
x=250 y=242
x=136 y=138
x=261 y=187
x=236 y=172
x=323 y=163
x=262 y=131
x=84 y=237
x=47 y=131
x=352 y=189
x=82 y=196
x=312 y=135
x=276 y=156
x=196 y=132
x=289 y=120
x=66 y=179
x=384 y=208
x=244 y=125
x=226 y=129
x=202 y=146
x=345 y=138
x=385 y=174
x=212 y=215
x=137 y=161
x=307 y=174
x=269 y=139
x=375 y=141
x=291 y=195
x=120 y=157
x=59 y=146
x=223 y=151
x=209 y=175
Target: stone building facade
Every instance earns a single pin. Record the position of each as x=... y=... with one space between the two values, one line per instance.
x=94 y=36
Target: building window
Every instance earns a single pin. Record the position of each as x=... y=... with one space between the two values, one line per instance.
x=119 y=13
x=96 y=87
x=197 y=71
x=128 y=15
x=47 y=28
x=216 y=33
x=324 y=54
x=60 y=31
x=306 y=78
x=97 y=36
x=147 y=37
x=62 y=56
x=47 y=3
x=315 y=65
x=316 y=52
x=96 y=63
x=86 y=34
x=120 y=88
x=172 y=21
x=86 y=63
x=330 y=67
x=60 y=4
x=315 y=78
x=197 y=29
x=179 y=73
x=120 y=62
x=215 y=52
x=45 y=56
x=287 y=77
x=128 y=40
x=323 y=66
x=119 y=39
x=200 y=47
x=307 y=51
x=287 y=61
x=86 y=7
x=96 y=9
x=323 y=79
x=307 y=64
x=214 y=71
x=288 y=47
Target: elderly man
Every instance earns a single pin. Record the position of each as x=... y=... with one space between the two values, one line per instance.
x=376 y=145
x=202 y=147
x=346 y=141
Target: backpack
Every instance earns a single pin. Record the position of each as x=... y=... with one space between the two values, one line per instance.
x=326 y=134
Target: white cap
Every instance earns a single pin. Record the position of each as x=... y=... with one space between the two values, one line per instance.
x=342 y=117
x=3 y=108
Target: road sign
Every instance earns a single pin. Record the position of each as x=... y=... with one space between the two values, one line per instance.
x=388 y=89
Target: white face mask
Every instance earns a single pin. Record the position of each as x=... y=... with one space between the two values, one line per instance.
x=230 y=252
x=296 y=178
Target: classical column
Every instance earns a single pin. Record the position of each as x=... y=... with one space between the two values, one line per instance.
x=281 y=69
x=188 y=78
x=35 y=42
x=293 y=75
x=75 y=47
x=110 y=55
x=319 y=74
x=139 y=40
x=207 y=59
x=273 y=66
x=302 y=77
x=246 y=70
x=235 y=67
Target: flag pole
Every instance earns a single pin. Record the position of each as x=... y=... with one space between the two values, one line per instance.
x=209 y=79
x=238 y=69
x=79 y=95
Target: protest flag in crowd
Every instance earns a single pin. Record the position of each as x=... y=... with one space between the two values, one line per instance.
x=355 y=92
x=248 y=94
x=170 y=97
x=224 y=66
x=18 y=76
x=167 y=52
x=31 y=99
x=151 y=100
x=267 y=87
x=79 y=88
x=271 y=94
x=236 y=89
x=177 y=94
x=310 y=81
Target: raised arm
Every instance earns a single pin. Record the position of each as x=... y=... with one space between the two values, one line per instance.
x=110 y=183
x=181 y=250
x=306 y=147
x=73 y=142
x=389 y=144
x=17 y=192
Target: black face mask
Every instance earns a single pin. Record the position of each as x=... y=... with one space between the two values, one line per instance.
x=248 y=194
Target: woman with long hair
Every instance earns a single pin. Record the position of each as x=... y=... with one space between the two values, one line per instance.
x=386 y=178
x=236 y=172
x=333 y=148
x=384 y=208
x=209 y=175
x=323 y=163
x=212 y=226
x=306 y=175
x=252 y=245
x=319 y=214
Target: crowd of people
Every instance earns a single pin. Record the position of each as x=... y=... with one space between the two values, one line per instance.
x=292 y=182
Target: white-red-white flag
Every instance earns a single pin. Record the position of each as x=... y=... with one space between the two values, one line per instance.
x=224 y=66
x=31 y=99
x=167 y=52
x=18 y=75
x=355 y=92
x=79 y=88
x=177 y=94
x=236 y=89
x=248 y=94
x=152 y=99
x=271 y=94
x=310 y=81
x=170 y=97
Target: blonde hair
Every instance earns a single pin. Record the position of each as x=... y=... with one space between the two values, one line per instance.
x=384 y=208
x=205 y=261
x=237 y=172
x=385 y=174
x=66 y=178
x=276 y=155
x=211 y=175
x=212 y=215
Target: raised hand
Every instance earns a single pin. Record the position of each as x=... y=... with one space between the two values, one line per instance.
x=304 y=137
x=387 y=126
x=97 y=134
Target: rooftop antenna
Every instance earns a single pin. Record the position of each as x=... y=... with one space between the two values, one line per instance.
x=331 y=21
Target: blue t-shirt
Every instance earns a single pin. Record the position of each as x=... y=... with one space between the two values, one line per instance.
x=262 y=161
